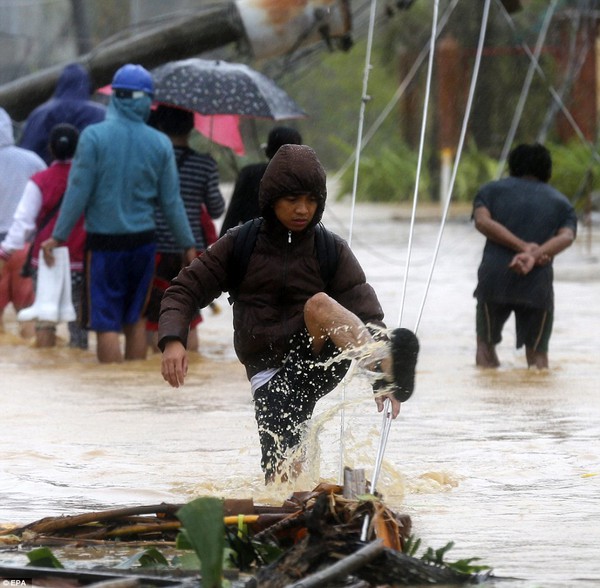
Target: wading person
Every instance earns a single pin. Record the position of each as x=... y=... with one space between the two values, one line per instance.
x=121 y=170
x=526 y=223
x=36 y=214
x=203 y=201
x=71 y=103
x=299 y=297
x=17 y=165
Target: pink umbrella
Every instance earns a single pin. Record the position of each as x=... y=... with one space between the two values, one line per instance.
x=223 y=129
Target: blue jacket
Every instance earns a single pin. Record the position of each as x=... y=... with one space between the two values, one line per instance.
x=70 y=104
x=122 y=169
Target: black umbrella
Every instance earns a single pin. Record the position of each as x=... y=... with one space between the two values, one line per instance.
x=220 y=87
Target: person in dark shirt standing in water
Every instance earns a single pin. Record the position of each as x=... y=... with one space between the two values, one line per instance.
x=203 y=201
x=526 y=223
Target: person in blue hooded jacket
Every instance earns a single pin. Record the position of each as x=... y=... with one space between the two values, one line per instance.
x=122 y=170
x=70 y=104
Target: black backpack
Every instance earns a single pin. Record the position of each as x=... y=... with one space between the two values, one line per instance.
x=245 y=241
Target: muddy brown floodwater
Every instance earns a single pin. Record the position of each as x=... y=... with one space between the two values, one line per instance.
x=504 y=463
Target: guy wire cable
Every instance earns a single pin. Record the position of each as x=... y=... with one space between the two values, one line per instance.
x=476 y=67
x=477 y=64
x=525 y=89
x=397 y=94
x=572 y=69
x=361 y=117
x=387 y=416
x=420 y=157
x=364 y=99
x=565 y=111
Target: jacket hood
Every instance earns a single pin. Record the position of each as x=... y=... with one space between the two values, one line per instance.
x=136 y=109
x=294 y=169
x=7 y=136
x=74 y=82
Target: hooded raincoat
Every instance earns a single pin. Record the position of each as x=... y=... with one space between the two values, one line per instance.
x=16 y=167
x=282 y=274
x=122 y=169
x=70 y=104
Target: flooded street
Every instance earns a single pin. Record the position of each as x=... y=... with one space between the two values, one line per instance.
x=506 y=463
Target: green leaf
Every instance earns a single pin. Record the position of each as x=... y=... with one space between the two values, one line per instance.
x=367 y=498
x=43 y=558
x=464 y=566
x=182 y=541
x=205 y=529
x=150 y=558
x=411 y=546
x=187 y=561
x=267 y=552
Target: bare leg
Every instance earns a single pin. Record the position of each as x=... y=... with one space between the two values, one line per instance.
x=486 y=354
x=538 y=359
x=45 y=335
x=325 y=318
x=27 y=329
x=108 y=347
x=135 y=340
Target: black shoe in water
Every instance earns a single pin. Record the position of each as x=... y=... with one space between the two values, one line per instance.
x=405 y=350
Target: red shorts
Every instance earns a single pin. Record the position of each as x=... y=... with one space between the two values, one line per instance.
x=14 y=288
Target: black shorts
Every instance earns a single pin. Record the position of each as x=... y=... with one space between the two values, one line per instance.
x=534 y=325
x=288 y=399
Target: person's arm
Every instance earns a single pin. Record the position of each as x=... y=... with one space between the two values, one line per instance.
x=524 y=262
x=23 y=224
x=497 y=232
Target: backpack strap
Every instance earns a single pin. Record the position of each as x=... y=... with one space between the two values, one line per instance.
x=326 y=253
x=245 y=240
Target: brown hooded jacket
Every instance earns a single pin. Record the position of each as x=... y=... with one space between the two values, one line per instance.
x=282 y=274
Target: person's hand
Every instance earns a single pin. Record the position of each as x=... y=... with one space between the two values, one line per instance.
x=543 y=259
x=174 y=364
x=535 y=250
x=47 y=248
x=522 y=263
x=395 y=404
x=530 y=248
x=2 y=264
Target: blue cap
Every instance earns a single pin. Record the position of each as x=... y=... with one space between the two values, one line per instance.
x=133 y=77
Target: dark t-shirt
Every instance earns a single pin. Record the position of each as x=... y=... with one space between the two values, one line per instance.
x=534 y=211
x=244 y=200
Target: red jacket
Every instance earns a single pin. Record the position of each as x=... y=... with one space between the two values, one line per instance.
x=52 y=183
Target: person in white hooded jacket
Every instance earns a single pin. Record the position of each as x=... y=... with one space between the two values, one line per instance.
x=17 y=165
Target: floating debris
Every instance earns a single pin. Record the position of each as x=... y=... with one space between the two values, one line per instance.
x=315 y=538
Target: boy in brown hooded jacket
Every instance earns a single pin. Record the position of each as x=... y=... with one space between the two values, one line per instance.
x=288 y=323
